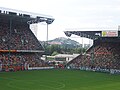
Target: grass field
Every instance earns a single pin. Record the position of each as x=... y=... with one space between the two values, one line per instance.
x=58 y=80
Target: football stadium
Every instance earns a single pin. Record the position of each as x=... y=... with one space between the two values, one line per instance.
x=21 y=66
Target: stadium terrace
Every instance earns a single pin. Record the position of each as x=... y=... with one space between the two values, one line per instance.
x=103 y=56
x=19 y=47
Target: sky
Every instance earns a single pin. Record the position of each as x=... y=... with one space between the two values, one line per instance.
x=70 y=15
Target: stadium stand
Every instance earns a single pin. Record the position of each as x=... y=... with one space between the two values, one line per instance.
x=102 y=56
x=19 y=47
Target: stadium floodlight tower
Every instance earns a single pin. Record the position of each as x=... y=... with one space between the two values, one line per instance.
x=39 y=19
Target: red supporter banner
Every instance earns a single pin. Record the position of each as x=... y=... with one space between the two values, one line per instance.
x=103 y=53
x=8 y=51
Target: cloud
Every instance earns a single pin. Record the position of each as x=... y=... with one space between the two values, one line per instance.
x=71 y=13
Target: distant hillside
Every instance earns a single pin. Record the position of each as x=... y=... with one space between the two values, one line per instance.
x=65 y=42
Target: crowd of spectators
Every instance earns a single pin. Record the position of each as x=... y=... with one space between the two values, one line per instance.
x=18 y=36
x=102 y=55
x=20 y=61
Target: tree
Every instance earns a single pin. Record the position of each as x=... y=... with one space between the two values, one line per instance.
x=54 y=53
x=56 y=49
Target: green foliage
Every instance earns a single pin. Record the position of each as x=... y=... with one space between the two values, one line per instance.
x=50 y=58
x=63 y=46
x=56 y=49
x=50 y=49
x=54 y=53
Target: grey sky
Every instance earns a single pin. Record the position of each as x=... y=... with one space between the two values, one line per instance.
x=98 y=14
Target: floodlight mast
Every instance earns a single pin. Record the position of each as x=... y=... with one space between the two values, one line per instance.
x=48 y=21
x=40 y=19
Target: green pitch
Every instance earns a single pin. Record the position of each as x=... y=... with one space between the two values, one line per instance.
x=58 y=80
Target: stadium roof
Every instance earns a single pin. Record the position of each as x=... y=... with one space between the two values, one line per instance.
x=94 y=34
x=27 y=16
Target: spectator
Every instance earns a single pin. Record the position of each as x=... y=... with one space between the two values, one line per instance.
x=103 y=55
